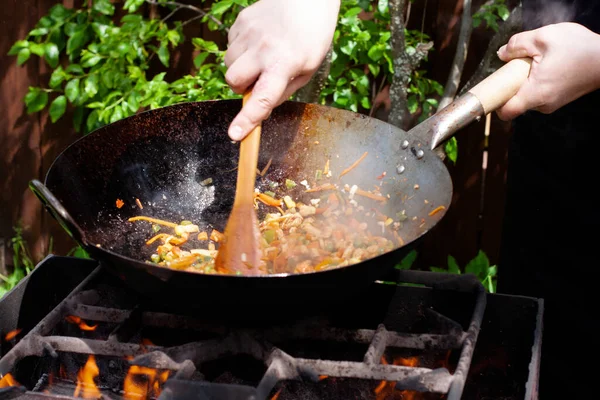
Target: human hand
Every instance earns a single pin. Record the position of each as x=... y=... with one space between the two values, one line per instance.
x=277 y=45
x=566 y=66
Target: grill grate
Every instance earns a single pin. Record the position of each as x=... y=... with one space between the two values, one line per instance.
x=260 y=344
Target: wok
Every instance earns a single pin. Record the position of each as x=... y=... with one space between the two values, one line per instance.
x=161 y=157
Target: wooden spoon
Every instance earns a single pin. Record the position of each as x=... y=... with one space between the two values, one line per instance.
x=239 y=252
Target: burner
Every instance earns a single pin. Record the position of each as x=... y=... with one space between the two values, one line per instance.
x=420 y=337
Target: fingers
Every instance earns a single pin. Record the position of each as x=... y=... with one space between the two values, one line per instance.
x=235 y=51
x=243 y=72
x=526 y=99
x=521 y=45
x=294 y=85
x=266 y=95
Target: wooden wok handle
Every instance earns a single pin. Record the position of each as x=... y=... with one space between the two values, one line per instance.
x=487 y=96
x=494 y=91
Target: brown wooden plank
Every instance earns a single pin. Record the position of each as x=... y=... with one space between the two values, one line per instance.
x=20 y=157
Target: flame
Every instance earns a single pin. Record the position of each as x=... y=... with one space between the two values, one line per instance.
x=7 y=381
x=86 y=387
x=82 y=324
x=143 y=383
x=276 y=395
x=12 y=334
x=387 y=390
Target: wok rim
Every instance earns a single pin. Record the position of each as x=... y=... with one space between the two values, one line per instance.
x=91 y=248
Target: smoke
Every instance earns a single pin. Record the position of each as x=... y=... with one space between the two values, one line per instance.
x=545 y=12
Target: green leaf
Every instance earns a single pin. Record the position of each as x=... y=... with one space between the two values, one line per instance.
x=479 y=265
x=412 y=103
x=17 y=47
x=382 y=6
x=59 y=13
x=493 y=271
x=451 y=149
x=503 y=12
x=23 y=56
x=199 y=59
x=163 y=54
x=348 y=46
x=116 y=115
x=132 y=5
x=205 y=45
x=453 y=267
x=219 y=7
x=51 y=54
x=92 y=121
x=103 y=7
x=37 y=48
x=38 y=32
x=57 y=77
x=376 y=52
x=58 y=108
x=36 y=100
x=408 y=260
x=353 y=12
x=90 y=61
x=74 y=69
x=72 y=90
x=133 y=101
x=76 y=41
x=374 y=68
x=365 y=102
x=90 y=86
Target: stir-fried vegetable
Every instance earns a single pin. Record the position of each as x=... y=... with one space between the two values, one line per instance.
x=326 y=228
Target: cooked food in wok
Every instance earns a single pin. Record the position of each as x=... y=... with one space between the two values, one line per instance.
x=327 y=225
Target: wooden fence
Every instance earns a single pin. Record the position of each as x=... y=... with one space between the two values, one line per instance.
x=29 y=143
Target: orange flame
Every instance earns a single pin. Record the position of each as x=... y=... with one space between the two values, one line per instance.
x=387 y=390
x=12 y=334
x=143 y=383
x=82 y=324
x=276 y=395
x=7 y=381
x=86 y=387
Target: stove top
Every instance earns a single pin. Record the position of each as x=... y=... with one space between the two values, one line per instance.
x=70 y=329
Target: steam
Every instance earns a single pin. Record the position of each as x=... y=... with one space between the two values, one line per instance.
x=546 y=12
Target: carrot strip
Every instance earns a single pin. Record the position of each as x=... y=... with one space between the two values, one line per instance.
x=139 y=203
x=265 y=169
x=326 y=169
x=268 y=200
x=155 y=238
x=354 y=165
x=119 y=203
x=370 y=195
x=216 y=236
x=184 y=262
x=436 y=210
x=154 y=220
x=327 y=186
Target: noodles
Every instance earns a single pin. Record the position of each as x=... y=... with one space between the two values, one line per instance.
x=322 y=233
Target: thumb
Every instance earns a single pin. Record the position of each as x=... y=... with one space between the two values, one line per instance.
x=525 y=99
x=519 y=45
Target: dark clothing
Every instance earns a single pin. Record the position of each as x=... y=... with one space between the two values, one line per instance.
x=550 y=245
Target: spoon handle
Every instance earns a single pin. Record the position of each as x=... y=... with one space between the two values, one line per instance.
x=248 y=162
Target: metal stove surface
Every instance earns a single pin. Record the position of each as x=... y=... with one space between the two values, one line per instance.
x=504 y=363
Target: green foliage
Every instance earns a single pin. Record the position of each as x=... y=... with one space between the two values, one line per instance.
x=451 y=149
x=100 y=67
x=491 y=13
x=478 y=266
x=362 y=60
x=23 y=262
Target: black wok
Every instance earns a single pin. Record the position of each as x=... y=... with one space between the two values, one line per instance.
x=161 y=157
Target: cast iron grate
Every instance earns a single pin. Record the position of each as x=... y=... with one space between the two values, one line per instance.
x=183 y=360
